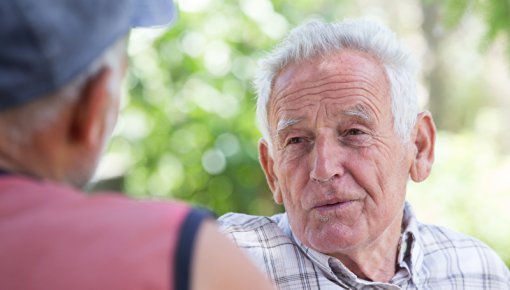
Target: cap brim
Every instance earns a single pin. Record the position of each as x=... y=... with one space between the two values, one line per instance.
x=148 y=13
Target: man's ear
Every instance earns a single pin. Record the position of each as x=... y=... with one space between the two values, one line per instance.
x=267 y=163
x=91 y=109
x=424 y=137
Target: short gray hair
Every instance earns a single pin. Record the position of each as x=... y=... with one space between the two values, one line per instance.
x=22 y=122
x=318 y=38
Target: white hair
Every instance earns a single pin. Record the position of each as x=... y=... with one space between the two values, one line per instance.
x=320 y=39
x=22 y=122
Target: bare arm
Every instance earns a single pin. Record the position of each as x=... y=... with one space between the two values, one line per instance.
x=219 y=264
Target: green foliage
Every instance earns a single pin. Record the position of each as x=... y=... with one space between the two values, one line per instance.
x=497 y=17
x=194 y=96
x=496 y=14
x=454 y=10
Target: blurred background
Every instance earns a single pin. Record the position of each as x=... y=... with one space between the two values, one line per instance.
x=187 y=127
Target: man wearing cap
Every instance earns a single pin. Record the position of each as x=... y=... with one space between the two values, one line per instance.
x=61 y=63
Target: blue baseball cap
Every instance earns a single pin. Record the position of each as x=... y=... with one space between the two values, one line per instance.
x=45 y=44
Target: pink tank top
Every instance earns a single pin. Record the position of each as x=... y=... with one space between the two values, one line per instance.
x=55 y=237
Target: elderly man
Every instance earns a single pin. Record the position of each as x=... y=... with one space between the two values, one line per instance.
x=60 y=66
x=342 y=135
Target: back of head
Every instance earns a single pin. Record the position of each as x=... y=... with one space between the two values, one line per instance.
x=46 y=44
x=49 y=52
x=320 y=39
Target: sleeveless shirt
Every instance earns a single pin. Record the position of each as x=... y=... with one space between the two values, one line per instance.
x=55 y=237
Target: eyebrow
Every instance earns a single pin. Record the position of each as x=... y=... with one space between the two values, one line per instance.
x=285 y=123
x=357 y=111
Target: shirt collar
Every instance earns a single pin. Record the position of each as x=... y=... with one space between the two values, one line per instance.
x=410 y=256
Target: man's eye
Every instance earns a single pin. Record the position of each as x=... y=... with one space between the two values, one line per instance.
x=356 y=137
x=295 y=140
x=354 y=132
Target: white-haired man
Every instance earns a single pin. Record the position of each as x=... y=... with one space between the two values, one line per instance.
x=342 y=135
x=61 y=62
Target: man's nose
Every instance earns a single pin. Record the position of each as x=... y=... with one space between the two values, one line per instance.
x=326 y=159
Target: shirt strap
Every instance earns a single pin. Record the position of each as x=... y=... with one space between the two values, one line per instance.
x=184 y=251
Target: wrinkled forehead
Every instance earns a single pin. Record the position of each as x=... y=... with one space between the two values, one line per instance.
x=345 y=62
x=333 y=79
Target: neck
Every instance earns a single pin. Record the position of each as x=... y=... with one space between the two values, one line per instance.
x=376 y=261
x=33 y=158
x=44 y=152
x=11 y=162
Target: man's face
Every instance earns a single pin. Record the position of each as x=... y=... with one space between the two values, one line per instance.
x=337 y=165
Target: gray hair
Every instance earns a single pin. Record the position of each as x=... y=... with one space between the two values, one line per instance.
x=22 y=122
x=318 y=38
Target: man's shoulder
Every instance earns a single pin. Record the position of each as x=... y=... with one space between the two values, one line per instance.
x=244 y=222
x=461 y=254
x=250 y=230
x=269 y=244
x=44 y=200
x=437 y=238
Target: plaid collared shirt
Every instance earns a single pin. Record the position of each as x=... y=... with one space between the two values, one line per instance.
x=430 y=257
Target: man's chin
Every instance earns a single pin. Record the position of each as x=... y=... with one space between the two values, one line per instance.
x=333 y=239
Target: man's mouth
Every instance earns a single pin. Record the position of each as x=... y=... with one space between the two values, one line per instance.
x=328 y=206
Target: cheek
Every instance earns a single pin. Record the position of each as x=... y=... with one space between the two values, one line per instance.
x=383 y=175
x=370 y=170
x=294 y=156
x=292 y=178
